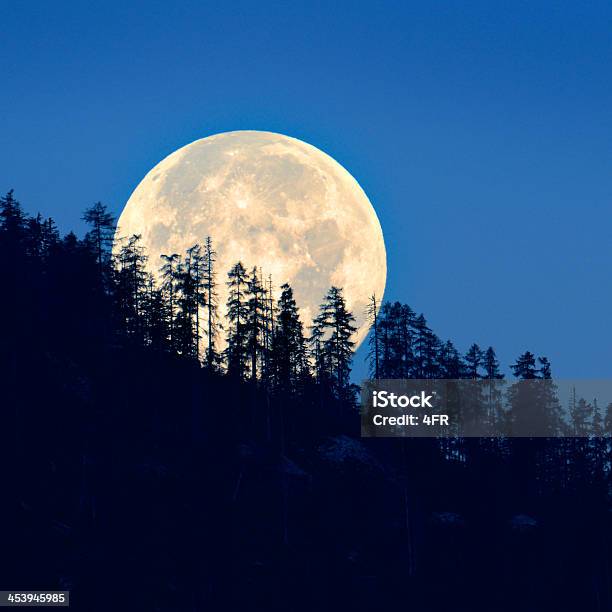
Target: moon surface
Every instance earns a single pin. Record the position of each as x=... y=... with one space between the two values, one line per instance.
x=269 y=201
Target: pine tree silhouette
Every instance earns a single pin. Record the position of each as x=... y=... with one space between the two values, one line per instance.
x=334 y=327
x=213 y=326
x=237 y=314
x=288 y=348
x=101 y=234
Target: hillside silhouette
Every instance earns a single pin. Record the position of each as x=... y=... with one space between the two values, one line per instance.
x=162 y=457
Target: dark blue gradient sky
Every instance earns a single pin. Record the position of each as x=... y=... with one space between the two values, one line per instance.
x=481 y=131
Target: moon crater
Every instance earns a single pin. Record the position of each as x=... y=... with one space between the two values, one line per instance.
x=270 y=201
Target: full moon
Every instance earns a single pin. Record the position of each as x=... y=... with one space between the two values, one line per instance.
x=269 y=201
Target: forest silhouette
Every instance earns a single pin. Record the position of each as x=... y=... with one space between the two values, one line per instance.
x=164 y=457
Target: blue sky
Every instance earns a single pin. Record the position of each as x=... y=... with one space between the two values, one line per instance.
x=481 y=131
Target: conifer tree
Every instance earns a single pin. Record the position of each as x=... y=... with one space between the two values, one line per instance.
x=34 y=237
x=473 y=361
x=493 y=395
x=581 y=413
x=334 y=326
x=197 y=270
x=398 y=339
x=12 y=220
x=156 y=317
x=170 y=272
x=375 y=338
x=406 y=319
x=426 y=350
x=421 y=334
x=213 y=359
x=131 y=286
x=548 y=398
x=288 y=349
x=269 y=325
x=534 y=406
x=100 y=236
x=525 y=367
x=255 y=324
x=491 y=365
x=13 y=258
x=190 y=299
x=316 y=344
x=50 y=236
x=237 y=314
x=385 y=333
x=449 y=362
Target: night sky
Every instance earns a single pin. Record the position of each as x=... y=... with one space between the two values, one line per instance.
x=482 y=133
